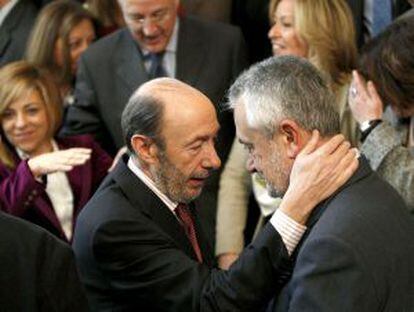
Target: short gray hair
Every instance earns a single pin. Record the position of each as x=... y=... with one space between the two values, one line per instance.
x=142 y=115
x=286 y=87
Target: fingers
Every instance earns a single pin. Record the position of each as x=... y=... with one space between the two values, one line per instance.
x=73 y=156
x=330 y=146
x=312 y=143
x=346 y=168
x=373 y=93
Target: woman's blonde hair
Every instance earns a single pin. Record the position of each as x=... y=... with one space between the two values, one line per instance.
x=55 y=21
x=16 y=81
x=327 y=28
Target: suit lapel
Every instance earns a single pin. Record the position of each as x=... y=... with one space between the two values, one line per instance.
x=191 y=52
x=141 y=197
x=130 y=67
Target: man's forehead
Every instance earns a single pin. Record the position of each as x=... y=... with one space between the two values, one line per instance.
x=146 y=4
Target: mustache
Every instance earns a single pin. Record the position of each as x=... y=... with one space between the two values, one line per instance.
x=202 y=175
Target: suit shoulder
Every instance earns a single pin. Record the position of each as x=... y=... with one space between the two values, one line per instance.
x=104 y=47
x=27 y=236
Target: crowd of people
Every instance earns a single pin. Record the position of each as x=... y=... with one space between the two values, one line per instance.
x=141 y=141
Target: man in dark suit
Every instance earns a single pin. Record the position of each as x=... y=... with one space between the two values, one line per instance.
x=363 y=14
x=207 y=55
x=358 y=251
x=139 y=243
x=15 y=29
x=38 y=271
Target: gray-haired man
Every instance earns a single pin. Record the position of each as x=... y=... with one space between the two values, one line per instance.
x=358 y=251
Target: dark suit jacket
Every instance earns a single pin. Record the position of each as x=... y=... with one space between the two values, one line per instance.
x=38 y=271
x=358 y=254
x=23 y=196
x=133 y=255
x=209 y=57
x=357 y=8
x=15 y=31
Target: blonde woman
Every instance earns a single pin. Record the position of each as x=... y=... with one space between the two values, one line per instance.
x=43 y=179
x=321 y=31
x=63 y=30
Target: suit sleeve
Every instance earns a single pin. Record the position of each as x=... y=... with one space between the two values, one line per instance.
x=393 y=162
x=144 y=263
x=330 y=276
x=18 y=189
x=60 y=288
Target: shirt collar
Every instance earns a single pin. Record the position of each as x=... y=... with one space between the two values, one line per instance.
x=132 y=165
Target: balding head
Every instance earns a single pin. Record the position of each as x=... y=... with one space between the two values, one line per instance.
x=159 y=104
x=171 y=128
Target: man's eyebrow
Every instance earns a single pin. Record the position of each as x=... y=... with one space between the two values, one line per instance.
x=244 y=142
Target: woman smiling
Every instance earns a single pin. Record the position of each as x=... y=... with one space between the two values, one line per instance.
x=43 y=179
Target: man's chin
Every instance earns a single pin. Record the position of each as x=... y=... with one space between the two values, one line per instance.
x=273 y=192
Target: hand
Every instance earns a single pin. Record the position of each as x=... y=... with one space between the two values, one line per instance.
x=364 y=100
x=117 y=157
x=317 y=174
x=63 y=160
x=225 y=260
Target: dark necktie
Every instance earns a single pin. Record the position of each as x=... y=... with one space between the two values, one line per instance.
x=382 y=15
x=156 y=69
x=183 y=213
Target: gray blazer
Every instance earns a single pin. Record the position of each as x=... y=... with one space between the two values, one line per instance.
x=210 y=55
x=358 y=253
x=15 y=31
x=394 y=162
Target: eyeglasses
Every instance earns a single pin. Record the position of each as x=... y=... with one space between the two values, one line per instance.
x=157 y=17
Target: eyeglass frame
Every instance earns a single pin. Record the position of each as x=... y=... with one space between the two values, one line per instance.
x=158 y=17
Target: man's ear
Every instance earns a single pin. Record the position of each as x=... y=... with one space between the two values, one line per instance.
x=291 y=137
x=145 y=148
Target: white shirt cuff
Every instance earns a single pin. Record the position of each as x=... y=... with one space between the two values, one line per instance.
x=290 y=231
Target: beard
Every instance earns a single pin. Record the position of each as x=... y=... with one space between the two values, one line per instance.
x=173 y=182
x=278 y=179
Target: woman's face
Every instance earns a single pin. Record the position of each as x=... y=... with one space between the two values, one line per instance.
x=282 y=34
x=25 y=124
x=80 y=38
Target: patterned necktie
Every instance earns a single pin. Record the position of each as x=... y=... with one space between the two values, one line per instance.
x=156 y=69
x=183 y=213
x=382 y=15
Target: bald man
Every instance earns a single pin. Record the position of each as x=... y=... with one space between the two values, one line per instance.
x=139 y=242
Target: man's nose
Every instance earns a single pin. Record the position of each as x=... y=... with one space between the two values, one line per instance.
x=149 y=28
x=211 y=161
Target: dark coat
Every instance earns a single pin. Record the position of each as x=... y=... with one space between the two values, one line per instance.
x=133 y=255
x=358 y=253
x=38 y=271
